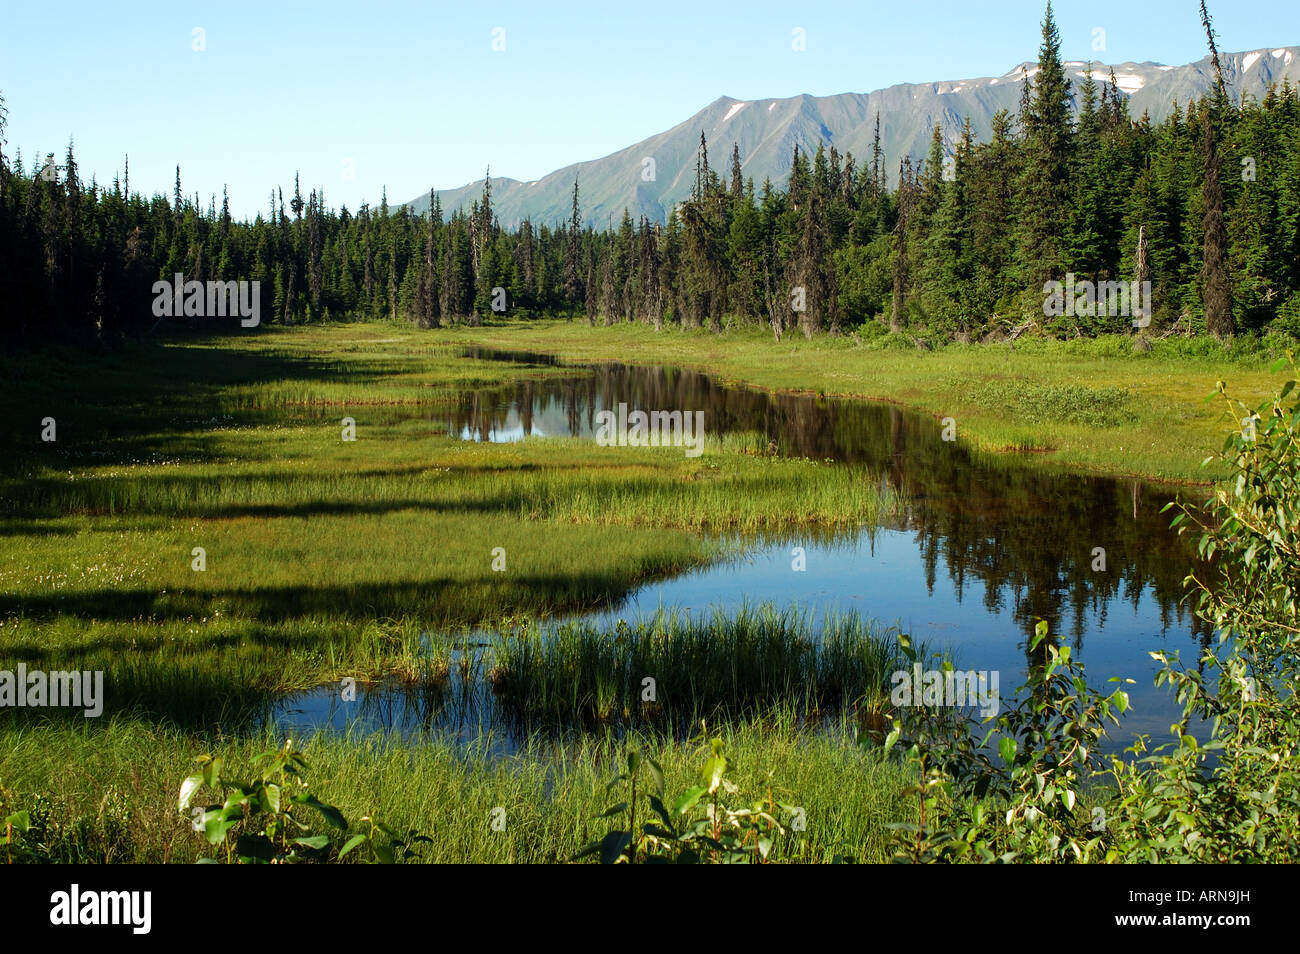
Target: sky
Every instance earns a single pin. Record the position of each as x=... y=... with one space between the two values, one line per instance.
x=363 y=96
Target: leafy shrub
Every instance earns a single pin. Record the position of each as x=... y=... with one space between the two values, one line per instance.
x=260 y=821
x=1235 y=797
x=724 y=832
x=1021 y=799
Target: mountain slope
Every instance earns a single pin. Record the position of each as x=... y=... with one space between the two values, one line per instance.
x=767 y=131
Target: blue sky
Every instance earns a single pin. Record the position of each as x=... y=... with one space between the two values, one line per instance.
x=358 y=96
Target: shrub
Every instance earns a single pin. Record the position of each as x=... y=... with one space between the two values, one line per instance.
x=1018 y=793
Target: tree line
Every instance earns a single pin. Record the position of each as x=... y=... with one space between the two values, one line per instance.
x=1204 y=205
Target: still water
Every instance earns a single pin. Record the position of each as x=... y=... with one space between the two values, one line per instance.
x=986 y=546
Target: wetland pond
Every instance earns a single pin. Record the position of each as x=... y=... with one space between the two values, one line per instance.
x=984 y=547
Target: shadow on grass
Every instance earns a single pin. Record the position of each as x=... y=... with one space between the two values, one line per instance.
x=444 y=600
x=127 y=406
x=190 y=495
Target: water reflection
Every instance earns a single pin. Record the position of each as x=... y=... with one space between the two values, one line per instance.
x=1005 y=532
x=988 y=545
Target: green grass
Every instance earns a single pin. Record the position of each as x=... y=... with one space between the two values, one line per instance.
x=1055 y=403
x=234 y=445
x=1162 y=431
x=108 y=793
x=328 y=558
x=729 y=666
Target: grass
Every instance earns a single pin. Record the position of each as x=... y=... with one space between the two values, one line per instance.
x=730 y=666
x=108 y=794
x=1056 y=403
x=327 y=558
x=1140 y=415
x=234 y=445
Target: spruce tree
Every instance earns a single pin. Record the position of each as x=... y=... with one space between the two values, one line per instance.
x=1046 y=182
x=877 y=160
x=1217 y=291
x=906 y=203
x=573 y=284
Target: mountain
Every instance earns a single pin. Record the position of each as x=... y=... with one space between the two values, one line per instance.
x=768 y=129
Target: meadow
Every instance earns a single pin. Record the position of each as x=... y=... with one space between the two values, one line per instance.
x=324 y=558
x=1086 y=405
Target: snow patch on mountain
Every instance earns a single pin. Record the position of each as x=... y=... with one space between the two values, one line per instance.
x=1250 y=60
x=1129 y=82
x=735 y=108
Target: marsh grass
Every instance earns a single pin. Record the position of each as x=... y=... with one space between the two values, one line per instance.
x=216 y=673
x=108 y=794
x=1160 y=433
x=1056 y=403
x=733 y=665
x=328 y=558
x=371 y=559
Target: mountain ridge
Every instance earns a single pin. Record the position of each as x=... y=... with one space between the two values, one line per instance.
x=766 y=135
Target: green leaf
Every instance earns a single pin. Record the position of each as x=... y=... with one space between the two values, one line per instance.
x=350 y=844
x=212 y=773
x=331 y=814
x=656 y=776
x=1007 y=749
x=313 y=841
x=216 y=824
x=712 y=772
x=892 y=739
x=657 y=805
x=270 y=795
x=613 y=845
x=1040 y=633
x=688 y=800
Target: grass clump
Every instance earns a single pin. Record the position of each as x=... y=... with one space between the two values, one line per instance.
x=674 y=670
x=1056 y=403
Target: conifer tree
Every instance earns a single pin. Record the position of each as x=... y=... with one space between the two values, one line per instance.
x=573 y=284
x=1046 y=182
x=1214 y=272
x=1216 y=287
